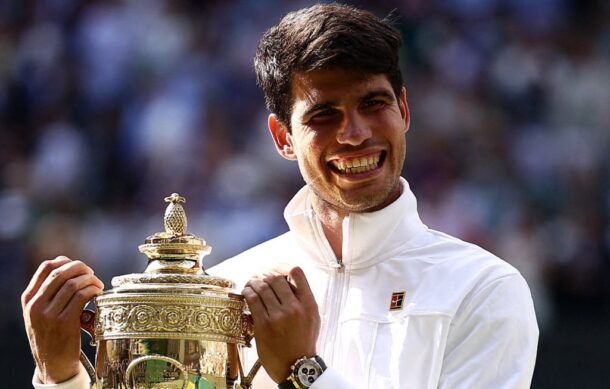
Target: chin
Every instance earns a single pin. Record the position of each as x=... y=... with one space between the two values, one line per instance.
x=363 y=203
x=371 y=200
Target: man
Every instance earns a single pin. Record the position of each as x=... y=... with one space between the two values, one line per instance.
x=360 y=293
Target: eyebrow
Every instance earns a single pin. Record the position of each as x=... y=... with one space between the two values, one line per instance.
x=318 y=107
x=329 y=104
x=378 y=93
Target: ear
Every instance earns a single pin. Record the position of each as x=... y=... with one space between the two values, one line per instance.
x=404 y=108
x=281 y=137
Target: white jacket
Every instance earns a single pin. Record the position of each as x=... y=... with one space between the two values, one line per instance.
x=467 y=320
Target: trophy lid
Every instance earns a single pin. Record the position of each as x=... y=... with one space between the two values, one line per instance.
x=174 y=244
x=174 y=256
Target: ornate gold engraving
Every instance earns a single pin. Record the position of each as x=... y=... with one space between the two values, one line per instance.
x=187 y=317
x=200 y=279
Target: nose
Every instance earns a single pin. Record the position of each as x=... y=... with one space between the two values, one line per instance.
x=354 y=130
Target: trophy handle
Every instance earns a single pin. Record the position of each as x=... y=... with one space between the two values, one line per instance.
x=247 y=328
x=87 y=324
x=246 y=380
x=248 y=334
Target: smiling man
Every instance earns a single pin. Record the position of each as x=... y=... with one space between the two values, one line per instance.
x=347 y=133
x=359 y=293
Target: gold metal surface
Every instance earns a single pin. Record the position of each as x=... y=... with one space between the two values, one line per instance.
x=201 y=317
x=162 y=363
x=138 y=372
x=175 y=243
x=172 y=326
x=175 y=221
x=169 y=278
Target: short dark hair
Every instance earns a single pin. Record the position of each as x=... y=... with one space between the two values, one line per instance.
x=324 y=36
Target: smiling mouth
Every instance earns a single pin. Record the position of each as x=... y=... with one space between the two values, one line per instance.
x=358 y=164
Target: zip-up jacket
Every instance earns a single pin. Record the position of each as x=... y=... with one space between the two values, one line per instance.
x=407 y=306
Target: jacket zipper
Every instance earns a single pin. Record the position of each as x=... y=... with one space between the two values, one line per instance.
x=335 y=295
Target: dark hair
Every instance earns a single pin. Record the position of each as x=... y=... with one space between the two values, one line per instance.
x=324 y=36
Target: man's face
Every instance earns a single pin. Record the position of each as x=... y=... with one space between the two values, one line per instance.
x=348 y=136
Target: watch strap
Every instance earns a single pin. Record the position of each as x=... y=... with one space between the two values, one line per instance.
x=320 y=362
x=288 y=383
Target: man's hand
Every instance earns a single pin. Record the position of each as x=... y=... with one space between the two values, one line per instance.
x=52 y=304
x=286 y=319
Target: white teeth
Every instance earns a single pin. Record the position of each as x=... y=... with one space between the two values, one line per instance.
x=358 y=165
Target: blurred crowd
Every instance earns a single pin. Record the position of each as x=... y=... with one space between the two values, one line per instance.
x=106 y=107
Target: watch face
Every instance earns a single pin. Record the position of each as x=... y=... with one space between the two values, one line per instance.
x=307 y=371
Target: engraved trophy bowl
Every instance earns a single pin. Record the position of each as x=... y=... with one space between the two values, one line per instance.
x=173 y=326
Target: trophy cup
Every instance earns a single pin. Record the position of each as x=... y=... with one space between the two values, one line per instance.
x=173 y=326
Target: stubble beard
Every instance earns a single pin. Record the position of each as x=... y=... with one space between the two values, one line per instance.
x=344 y=203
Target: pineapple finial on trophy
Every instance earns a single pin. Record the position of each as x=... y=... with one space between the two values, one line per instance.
x=174 y=220
x=174 y=250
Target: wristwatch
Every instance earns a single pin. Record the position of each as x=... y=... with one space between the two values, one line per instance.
x=305 y=371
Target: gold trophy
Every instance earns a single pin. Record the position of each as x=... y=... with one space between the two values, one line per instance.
x=173 y=326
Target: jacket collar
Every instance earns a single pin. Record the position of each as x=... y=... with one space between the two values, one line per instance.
x=368 y=237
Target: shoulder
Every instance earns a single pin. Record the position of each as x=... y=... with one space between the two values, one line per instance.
x=474 y=286
x=449 y=271
x=459 y=259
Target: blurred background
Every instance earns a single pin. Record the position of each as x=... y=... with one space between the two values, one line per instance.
x=108 y=106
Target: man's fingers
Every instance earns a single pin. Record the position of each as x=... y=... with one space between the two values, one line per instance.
x=41 y=274
x=266 y=294
x=257 y=308
x=281 y=287
x=71 y=287
x=77 y=303
x=303 y=291
x=59 y=276
x=296 y=281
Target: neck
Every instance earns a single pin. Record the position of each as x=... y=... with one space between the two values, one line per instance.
x=332 y=223
x=332 y=217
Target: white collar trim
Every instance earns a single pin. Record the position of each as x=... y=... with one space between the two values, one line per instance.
x=368 y=237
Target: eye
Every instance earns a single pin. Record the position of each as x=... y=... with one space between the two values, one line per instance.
x=323 y=115
x=373 y=104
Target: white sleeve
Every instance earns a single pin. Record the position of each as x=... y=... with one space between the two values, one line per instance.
x=331 y=379
x=493 y=339
x=79 y=381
